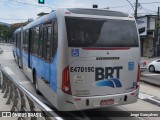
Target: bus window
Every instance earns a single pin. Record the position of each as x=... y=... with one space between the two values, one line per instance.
x=32 y=40
x=24 y=39
x=16 y=39
x=35 y=40
x=55 y=38
x=40 y=41
x=89 y=32
x=48 y=43
x=19 y=40
x=27 y=40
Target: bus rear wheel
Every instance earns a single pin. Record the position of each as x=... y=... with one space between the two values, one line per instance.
x=35 y=83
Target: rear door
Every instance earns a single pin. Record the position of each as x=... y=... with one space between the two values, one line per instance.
x=30 y=47
x=103 y=56
x=47 y=52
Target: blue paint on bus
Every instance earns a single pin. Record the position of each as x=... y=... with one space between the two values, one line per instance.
x=25 y=58
x=44 y=69
x=18 y=52
x=53 y=81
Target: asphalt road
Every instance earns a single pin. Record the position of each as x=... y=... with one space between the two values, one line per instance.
x=151 y=78
x=148 y=97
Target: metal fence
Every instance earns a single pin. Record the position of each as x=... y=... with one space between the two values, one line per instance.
x=24 y=105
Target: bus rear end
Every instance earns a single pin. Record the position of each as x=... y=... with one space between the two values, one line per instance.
x=102 y=66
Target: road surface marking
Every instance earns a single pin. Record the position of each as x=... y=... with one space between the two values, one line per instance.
x=8 y=70
x=150 y=74
x=154 y=100
x=149 y=98
x=144 y=96
x=58 y=118
x=24 y=82
x=7 y=50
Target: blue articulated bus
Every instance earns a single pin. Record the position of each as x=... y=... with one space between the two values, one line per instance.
x=81 y=58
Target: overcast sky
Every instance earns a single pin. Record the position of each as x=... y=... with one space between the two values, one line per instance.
x=14 y=11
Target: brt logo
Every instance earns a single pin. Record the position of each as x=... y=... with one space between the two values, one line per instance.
x=104 y=76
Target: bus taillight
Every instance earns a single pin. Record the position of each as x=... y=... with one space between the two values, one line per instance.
x=66 y=87
x=138 y=76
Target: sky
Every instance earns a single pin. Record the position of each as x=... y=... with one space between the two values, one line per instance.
x=16 y=11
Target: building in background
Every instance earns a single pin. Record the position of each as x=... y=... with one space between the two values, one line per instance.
x=149 y=38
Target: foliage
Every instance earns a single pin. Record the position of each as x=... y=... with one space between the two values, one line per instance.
x=6 y=32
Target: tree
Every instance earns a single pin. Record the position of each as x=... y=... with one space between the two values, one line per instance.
x=6 y=33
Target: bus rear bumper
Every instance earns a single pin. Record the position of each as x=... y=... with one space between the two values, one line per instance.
x=73 y=103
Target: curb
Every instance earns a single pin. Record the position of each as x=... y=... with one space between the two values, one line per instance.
x=150 y=82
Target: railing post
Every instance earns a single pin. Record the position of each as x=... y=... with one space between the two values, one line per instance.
x=22 y=100
x=10 y=94
x=1 y=77
x=15 y=99
x=7 y=88
x=4 y=82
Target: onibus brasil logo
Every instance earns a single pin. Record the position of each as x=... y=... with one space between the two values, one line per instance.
x=104 y=76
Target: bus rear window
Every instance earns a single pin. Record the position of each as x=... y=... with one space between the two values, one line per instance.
x=90 y=32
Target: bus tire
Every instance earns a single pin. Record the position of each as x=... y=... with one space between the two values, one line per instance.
x=13 y=54
x=35 y=83
x=19 y=63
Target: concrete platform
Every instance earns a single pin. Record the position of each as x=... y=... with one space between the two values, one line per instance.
x=3 y=106
x=7 y=60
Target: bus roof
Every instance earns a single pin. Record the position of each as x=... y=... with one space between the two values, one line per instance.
x=40 y=20
x=90 y=11
x=17 y=30
x=101 y=12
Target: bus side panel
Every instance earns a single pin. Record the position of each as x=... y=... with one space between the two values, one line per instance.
x=62 y=62
x=46 y=71
x=18 y=52
x=53 y=75
x=48 y=86
x=25 y=60
x=46 y=74
x=14 y=47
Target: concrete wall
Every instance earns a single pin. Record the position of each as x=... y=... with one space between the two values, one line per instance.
x=148 y=46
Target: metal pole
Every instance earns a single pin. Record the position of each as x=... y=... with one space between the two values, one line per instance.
x=136 y=7
x=156 y=33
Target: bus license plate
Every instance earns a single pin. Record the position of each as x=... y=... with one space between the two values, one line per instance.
x=107 y=102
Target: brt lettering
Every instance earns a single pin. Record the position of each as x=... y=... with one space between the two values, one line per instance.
x=107 y=72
